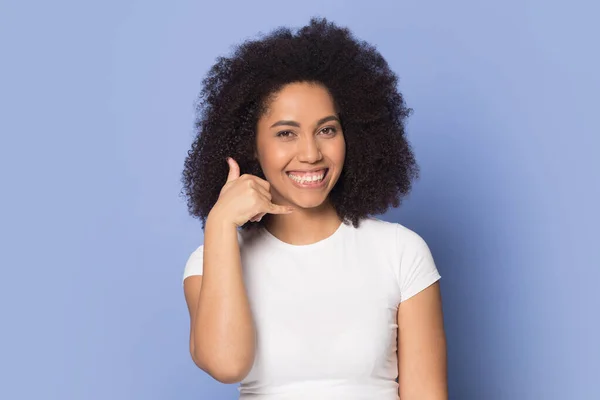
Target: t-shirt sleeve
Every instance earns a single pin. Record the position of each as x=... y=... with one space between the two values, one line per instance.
x=417 y=267
x=193 y=266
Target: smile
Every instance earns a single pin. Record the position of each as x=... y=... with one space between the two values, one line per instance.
x=311 y=179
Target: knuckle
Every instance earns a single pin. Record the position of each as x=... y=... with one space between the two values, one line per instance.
x=256 y=198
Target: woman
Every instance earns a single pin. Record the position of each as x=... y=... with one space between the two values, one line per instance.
x=300 y=142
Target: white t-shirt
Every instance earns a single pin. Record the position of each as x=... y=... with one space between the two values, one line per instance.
x=325 y=313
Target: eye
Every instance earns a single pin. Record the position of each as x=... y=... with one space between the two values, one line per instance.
x=284 y=134
x=329 y=131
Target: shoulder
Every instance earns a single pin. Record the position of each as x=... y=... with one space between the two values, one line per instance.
x=194 y=264
x=403 y=250
x=376 y=228
x=410 y=241
x=392 y=232
x=404 y=246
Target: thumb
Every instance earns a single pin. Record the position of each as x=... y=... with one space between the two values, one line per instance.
x=234 y=170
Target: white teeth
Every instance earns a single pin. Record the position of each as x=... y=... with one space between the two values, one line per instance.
x=311 y=179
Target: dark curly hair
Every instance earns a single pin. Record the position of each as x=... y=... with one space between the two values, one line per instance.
x=379 y=166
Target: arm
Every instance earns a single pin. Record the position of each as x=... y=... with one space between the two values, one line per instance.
x=222 y=336
x=422 y=369
x=222 y=333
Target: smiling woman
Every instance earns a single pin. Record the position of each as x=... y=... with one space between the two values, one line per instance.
x=298 y=292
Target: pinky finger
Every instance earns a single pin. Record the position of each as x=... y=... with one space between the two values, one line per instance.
x=257 y=217
x=277 y=209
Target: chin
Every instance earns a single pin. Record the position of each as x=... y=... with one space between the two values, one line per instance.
x=308 y=205
x=307 y=201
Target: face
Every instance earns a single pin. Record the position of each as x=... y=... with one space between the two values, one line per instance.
x=300 y=145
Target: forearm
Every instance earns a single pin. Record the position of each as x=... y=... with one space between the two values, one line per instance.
x=223 y=335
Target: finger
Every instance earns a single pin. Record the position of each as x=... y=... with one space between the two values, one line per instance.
x=277 y=209
x=263 y=204
x=263 y=192
x=257 y=217
x=259 y=181
x=270 y=208
x=234 y=170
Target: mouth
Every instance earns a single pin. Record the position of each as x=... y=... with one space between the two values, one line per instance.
x=312 y=179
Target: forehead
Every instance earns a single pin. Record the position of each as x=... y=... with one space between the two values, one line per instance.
x=300 y=100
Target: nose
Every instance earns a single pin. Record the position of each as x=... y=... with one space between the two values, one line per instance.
x=309 y=150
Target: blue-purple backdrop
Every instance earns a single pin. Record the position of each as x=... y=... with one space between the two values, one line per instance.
x=97 y=115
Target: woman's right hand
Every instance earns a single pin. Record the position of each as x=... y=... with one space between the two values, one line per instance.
x=245 y=198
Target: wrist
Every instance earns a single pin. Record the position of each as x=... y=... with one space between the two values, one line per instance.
x=217 y=218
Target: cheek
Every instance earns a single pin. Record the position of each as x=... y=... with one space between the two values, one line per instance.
x=343 y=153
x=337 y=151
x=273 y=159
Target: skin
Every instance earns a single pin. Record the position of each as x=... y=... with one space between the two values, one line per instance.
x=422 y=367
x=298 y=132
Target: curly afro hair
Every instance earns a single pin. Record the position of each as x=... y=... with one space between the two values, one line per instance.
x=380 y=165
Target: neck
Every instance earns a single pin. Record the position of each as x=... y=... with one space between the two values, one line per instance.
x=304 y=226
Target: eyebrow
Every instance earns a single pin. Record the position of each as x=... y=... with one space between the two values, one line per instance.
x=297 y=125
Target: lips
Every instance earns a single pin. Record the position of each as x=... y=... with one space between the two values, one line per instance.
x=308 y=178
